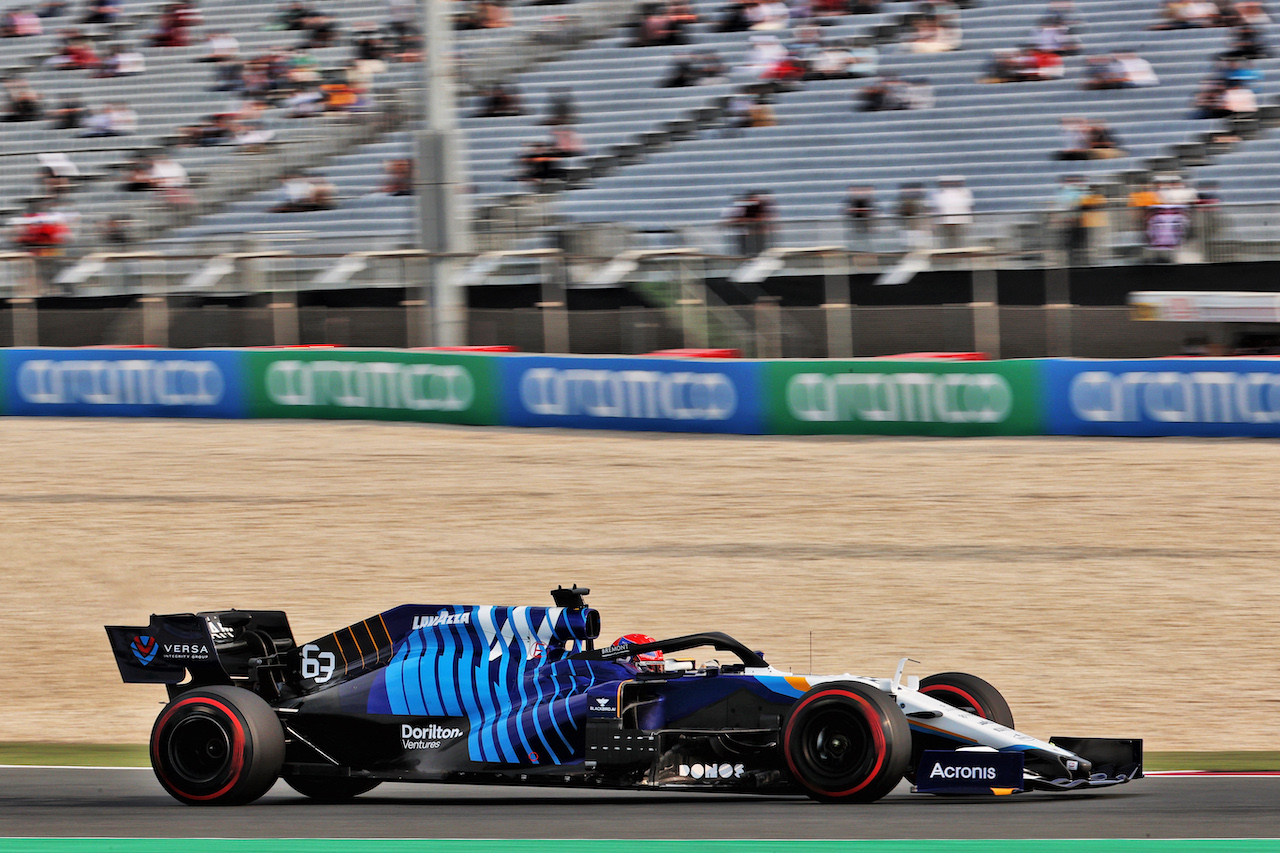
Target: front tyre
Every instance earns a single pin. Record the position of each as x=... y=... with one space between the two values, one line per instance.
x=846 y=742
x=218 y=746
x=968 y=693
x=331 y=789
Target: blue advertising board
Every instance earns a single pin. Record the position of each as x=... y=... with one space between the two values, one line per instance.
x=123 y=382
x=1192 y=396
x=951 y=772
x=661 y=394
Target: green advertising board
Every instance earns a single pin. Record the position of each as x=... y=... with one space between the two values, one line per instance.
x=390 y=385
x=889 y=397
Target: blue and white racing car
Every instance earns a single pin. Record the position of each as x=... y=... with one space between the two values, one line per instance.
x=523 y=696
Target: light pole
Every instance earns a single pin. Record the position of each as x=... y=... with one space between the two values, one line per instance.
x=440 y=179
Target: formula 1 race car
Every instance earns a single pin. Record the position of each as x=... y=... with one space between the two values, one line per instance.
x=522 y=696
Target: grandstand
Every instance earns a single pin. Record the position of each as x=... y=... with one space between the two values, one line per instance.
x=1001 y=138
x=661 y=164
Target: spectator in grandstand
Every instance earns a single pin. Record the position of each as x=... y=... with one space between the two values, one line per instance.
x=752 y=218
x=1135 y=72
x=113 y=119
x=566 y=142
x=404 y=39
x=1015 y=65
x=893 y=93
x=398 y=180
x=830 y=61
x=1103 y=144
x=121 y=62
x=291 y=15
x=42 y=230
x=684 y=72
x=75 y=51
x=761 y=113
x=19 y=22
x=952 y=206
x=367 y=42
x=864 y=58
x=1239 y=70
x=173 y=29
x=301 y=193
x=56 y=174
x=1207 y=102
x=768 y=15
x=934 y=35
x=499 y=99
x=483 y=15
x=1246 y=43
x=561 y=108
x=1188 y=14
x=70 y=113
x=1250 y=12
x=24 y=102
x=1075 y=139
x=859 y=209
x=734 y=19
x=1172 y=189
x=695 y=69
x=829 y=8
x=1055 y=36
x=539 y=166
x=117 y=231
x=659 y=23
x=1103 y=72
x=51 y=8
x=168 y=177
x=766 y=52
x=220 y=46
x=340 y=96
x=1167 y=226
x=138 y=175
x=877 y=96
x=1238 y=100
x=101 y=12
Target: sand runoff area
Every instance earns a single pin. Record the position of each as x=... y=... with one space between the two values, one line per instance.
x=1116 y=587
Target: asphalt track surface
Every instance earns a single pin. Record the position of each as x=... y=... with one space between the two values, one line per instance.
x=129 y=803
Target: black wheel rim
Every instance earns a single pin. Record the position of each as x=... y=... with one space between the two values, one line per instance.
x=837 y=745
x=199 y=749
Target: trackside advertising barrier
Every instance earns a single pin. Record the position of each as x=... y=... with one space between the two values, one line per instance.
x=887 y=397
x=391 y=385
x=667 y=395
x=1153 y=397
x=1193 y=396
x=124 y=382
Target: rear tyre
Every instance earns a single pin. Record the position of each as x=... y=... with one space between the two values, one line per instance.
x=217 y=746
x=331 y=789
x=846 y=742
x=966 y=692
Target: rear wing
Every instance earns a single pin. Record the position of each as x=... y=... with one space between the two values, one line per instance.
x=215 y=647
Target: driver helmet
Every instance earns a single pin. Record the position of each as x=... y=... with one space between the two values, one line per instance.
x=650 y=660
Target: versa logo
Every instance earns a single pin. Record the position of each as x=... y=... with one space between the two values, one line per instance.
x=144 y=648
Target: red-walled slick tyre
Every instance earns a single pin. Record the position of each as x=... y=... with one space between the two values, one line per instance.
x=968 y=693
x=217 y=746
x=846 y=742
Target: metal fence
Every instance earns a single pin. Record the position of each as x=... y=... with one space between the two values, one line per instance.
x=764 y=330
